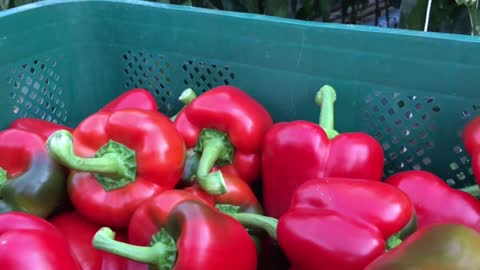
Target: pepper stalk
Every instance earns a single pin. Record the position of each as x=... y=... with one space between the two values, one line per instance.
x=114 y=164
x=161 y=252
x=325 y=98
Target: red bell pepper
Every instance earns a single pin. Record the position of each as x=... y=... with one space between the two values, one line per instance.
x=30 y=180
x=196 y=236
x=41 y=127
x=118 y=160
x=79 y=233
x=227 y=127
x=471 y=140
x=435 y=201
x=152 y=214
x=134 y=98
x=30 y=242
x=294 y=152
x=336 y=223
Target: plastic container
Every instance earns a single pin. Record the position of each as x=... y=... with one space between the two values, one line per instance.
x=413 y=91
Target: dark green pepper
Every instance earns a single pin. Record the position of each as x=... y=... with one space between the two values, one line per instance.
x=30 y=180
x=436 y=247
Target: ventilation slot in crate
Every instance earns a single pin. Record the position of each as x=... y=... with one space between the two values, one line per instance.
x=36 y=90
x=202 y=76
x=150 y=71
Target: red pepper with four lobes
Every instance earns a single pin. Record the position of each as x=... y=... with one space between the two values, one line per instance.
x=336 y=223
x=471 y=140
x=31 y=242
x=30 y=180
x=118 y=160
x=134 y=98
x=226 y=126
x=79 y=234
x=294 y=152
x=195 y=236
x=435 y=201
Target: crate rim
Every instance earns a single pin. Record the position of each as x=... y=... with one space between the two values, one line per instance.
x=251 y=16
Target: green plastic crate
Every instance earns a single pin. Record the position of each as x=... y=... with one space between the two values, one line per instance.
x=413 y=91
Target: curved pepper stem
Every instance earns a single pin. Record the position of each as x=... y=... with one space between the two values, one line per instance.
x=215 y=149
x=403 y=234
x=3 y=177
x=115 y=164
x=4 y=207
x=325 y=98
x=161 y=253
x=250 y=220
x=393 y=242
x=472 y=190
x=187 y=96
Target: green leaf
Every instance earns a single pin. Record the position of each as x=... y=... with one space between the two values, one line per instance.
x=276 y=8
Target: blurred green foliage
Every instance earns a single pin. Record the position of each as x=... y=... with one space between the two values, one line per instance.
x=301 y=9
x=6 y=4
x=446 y=16
x=449 y=16
x=319 y=10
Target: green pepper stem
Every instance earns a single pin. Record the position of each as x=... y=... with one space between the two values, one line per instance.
x=393 y=242
x=256 y=221
x=211 y=182
x=114 y=162
x=187 y=96
x=3 y=177
x=325 y=98
x=157 y=255
x=473 y=190
x=216 y=149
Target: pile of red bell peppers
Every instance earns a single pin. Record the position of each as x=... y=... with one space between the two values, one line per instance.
x=130 y=188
